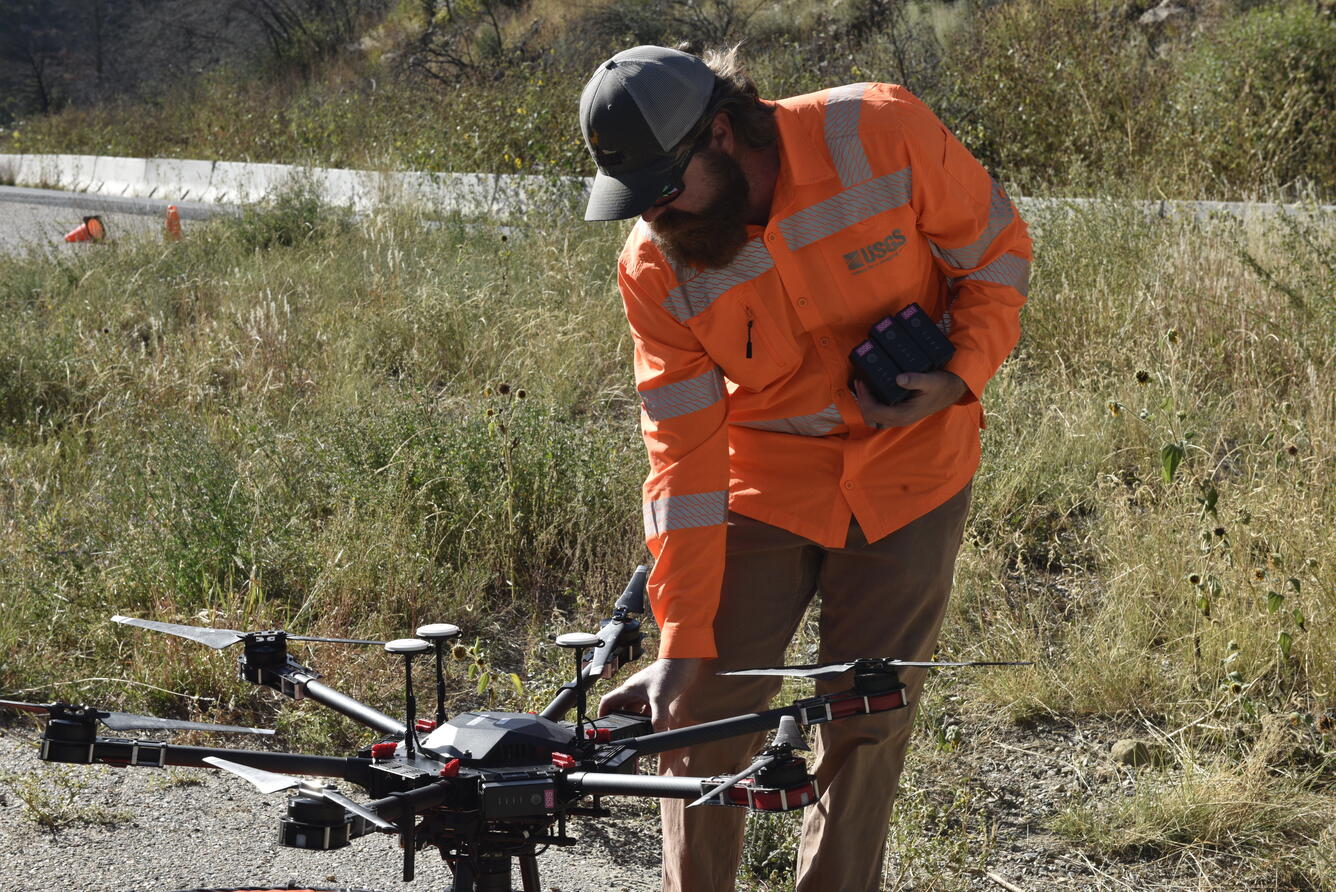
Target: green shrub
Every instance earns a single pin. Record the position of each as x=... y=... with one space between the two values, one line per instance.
x=1254 y=103
x=1056 y=93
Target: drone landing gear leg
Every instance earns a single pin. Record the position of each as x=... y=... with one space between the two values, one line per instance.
x=529 y=873
x=488 y=873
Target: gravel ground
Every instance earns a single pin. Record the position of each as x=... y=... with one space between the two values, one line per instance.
x=153 y=830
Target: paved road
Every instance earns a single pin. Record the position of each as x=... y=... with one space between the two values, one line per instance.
x=37 y=219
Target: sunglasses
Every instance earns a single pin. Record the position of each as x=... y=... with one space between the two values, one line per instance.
x=669 y=194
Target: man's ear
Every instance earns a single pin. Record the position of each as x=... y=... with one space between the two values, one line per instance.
x=721 y=133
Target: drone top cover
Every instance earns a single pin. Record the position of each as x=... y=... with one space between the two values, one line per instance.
x=500 y=738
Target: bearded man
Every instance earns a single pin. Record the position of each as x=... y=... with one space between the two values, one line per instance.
x=772 y=235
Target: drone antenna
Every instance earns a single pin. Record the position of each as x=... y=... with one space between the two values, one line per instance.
x=578 y=641
x=438 y=634
x=409 y=647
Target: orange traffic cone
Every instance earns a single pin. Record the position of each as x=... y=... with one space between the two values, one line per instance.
x=91 y=230
x=172 y=232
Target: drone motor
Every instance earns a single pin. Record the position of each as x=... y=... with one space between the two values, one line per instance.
x=313 y=822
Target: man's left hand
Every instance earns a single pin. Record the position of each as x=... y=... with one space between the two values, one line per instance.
x=931 y=391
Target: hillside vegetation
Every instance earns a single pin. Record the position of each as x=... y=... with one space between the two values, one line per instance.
x=294 y=419
x=1211 y=99
x=349 y=426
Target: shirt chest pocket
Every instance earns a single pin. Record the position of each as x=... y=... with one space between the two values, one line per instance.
x=748 y=336
x=872 y=256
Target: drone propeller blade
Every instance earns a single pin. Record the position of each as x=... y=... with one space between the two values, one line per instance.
x=336 y=640
x=631 y=601
x=633 y=598
x=39 y=708
x=125 y=721
x=824 y=671
x=215 y=638
x=270 y=782
x=602 y=652
x=821 y=672
x=359 y=810
x=128 y=721
x=788 y=734
x=751 y=769
x=264 y=781
x=967 y=663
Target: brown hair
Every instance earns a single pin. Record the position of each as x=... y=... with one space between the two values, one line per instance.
x=736 y=95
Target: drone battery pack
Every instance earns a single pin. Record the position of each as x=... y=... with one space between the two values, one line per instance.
x=518 y=797
x=919 y=326
x=879 y=371
x=893 y=338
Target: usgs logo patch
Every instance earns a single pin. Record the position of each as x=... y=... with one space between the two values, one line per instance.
x=877 y=253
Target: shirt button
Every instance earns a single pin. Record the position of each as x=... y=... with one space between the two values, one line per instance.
x=825 y=342
x=848 y=484
x=770 y=237
x=841 y=392
x=802 y=301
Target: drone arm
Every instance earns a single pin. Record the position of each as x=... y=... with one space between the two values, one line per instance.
x=411 y=802
x=798 y=793
x=619 y=644
x=157 y=754
x=662 y=741
x=607 y=784
x=811 y=711
x=613 y=652
x=353 y=709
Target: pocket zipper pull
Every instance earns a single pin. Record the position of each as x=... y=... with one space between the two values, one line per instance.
x=750 y=321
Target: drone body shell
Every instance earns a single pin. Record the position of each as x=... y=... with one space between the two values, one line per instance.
x=500 y=738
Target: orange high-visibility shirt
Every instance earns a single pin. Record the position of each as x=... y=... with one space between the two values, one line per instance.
x=743 y=372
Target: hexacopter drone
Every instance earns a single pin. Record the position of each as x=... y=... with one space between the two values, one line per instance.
x=486 y=788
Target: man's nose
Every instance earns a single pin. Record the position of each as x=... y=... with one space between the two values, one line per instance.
x=652 y=213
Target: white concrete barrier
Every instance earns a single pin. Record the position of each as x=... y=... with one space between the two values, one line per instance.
x=120 y=176
x=77 y=172
x=466 y=194
x=176 y=179
x=360 y=190
x=236 y=182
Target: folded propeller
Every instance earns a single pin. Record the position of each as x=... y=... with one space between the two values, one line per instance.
x=221 y=638
x=787 y=739
x=272 y=782
x=124 y=721
x=822 y=671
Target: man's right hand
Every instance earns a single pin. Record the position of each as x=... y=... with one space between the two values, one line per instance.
x=652 y=690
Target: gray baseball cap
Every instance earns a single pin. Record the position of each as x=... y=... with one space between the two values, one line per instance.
x=635 y=110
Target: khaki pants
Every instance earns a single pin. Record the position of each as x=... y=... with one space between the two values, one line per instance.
x=886 y=599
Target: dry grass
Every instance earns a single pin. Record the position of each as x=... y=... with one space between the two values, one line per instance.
x=274 y=424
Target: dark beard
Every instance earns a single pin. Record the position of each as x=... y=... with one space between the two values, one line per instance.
x=713 y=237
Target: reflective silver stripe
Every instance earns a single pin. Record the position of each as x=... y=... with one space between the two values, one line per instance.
x=682 y=397
x=1009 y=270
x=694 y=296
x=843 y=106
x=818 y=425
x=1000 y=215
x=846 y=208
x=684 y=512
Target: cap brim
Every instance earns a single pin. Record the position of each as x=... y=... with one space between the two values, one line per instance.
x=630 y=194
